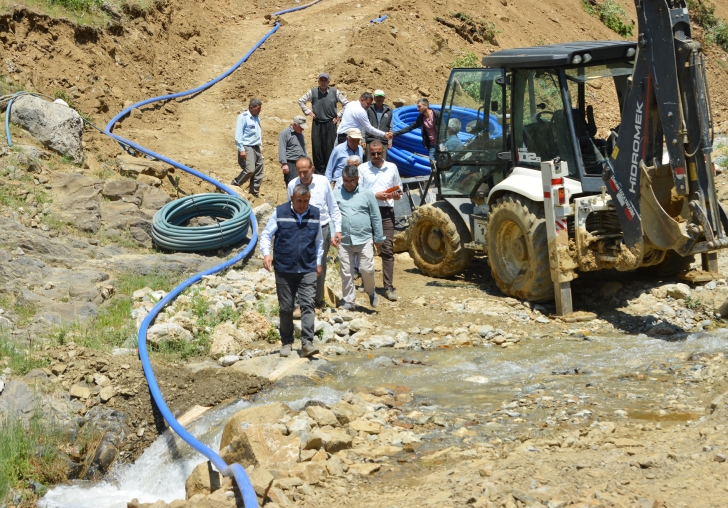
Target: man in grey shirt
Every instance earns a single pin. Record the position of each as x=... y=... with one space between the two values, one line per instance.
x=325 y=118
x=292 y=147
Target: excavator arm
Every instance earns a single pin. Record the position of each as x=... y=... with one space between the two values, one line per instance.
x=667 y=107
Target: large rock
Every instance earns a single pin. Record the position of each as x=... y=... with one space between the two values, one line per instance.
x=202 y=480
x=20 y=401
x=79 y=201
x=227 y=338
x=358 y=324
x=263 y=445
x=153 y=198
x=253 y=323
x=167 y=332
x=678 y=291
x=332 y=440
x=57 y=126
x=378 y=341
x=262 y=214
x=115 y=189
x=135 y=166
x=261 y=480
x=347 y=413
x=322 y=416
x=268 y=414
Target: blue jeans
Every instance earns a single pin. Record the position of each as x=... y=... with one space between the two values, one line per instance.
x=432 y=154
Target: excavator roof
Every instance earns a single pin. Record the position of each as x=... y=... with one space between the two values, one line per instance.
x=558 y=54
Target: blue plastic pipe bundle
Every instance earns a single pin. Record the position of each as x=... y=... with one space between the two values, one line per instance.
x=408 y=152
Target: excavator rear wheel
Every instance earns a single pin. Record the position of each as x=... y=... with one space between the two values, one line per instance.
x=436 y=240
x=518 y=249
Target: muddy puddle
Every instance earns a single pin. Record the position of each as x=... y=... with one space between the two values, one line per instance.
x=564 y=380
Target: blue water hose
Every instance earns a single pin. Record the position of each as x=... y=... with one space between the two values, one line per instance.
x=379 y=20
x=235 y=470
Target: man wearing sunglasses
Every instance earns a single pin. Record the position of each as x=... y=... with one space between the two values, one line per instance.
x=382 y=178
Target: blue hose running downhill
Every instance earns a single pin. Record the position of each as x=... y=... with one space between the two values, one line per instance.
x=236 y=470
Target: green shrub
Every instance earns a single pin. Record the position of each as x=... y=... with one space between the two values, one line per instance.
x=716 y=29
x=612 y=14
x=76 y=5
x=466 y=59
x=29 y=453
x=20 y=358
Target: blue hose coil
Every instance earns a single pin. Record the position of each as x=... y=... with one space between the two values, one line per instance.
x=408 y=152
x=169 y=232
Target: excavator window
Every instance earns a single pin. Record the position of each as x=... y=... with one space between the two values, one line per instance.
x=594 y=92
x=540 y=127
x=470 y=135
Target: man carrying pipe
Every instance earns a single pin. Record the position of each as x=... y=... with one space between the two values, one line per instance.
x=297 y=256
x=429 y=121
x=355 y=117
x=325 y=118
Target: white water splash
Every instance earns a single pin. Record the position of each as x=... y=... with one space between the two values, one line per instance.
x=159 y=473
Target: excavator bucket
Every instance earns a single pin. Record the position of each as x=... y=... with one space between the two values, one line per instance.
x=661 y=229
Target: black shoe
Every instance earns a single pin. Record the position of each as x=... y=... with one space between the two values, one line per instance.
x=236 y=184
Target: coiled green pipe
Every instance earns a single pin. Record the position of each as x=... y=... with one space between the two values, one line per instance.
x=169 y=233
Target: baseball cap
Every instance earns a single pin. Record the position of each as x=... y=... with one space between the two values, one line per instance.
x=379 y=93
x=323 y=75
x=354 y=133
x=300 y=120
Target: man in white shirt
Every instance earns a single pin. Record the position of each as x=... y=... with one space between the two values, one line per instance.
x=322 y=197
x=382 y=178
x=355 y=117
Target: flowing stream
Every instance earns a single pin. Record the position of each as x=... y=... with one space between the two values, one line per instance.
x=450 y=381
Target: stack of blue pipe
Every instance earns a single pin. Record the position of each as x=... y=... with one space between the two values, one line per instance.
x=408 y=152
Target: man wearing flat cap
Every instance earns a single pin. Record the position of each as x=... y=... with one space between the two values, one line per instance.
x=292 y=147
x=325 y=118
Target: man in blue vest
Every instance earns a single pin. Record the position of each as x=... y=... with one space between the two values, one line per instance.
x=297 y=254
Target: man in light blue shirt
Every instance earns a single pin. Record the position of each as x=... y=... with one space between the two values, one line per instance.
x=341 y=153
x=249 y=139
x=361 y=229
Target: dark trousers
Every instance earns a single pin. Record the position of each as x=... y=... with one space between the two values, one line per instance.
x=340 y=138
x=367 y=158
x=292 y=173
x=386 y=250
x=321 y=282
x=288 y=285
x=323 y=135
x=252 y=169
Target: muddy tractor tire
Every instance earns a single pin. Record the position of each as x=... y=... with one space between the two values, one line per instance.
x=672 y=265
x=436 y=240
x=518 y=249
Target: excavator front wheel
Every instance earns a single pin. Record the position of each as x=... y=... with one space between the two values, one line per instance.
x=518 y=249
x=436 y=240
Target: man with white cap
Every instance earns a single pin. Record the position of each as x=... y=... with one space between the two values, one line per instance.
x=380 y=116
x=355 y=117
x=323 y=134
x=341 y=154
x=292 y=147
